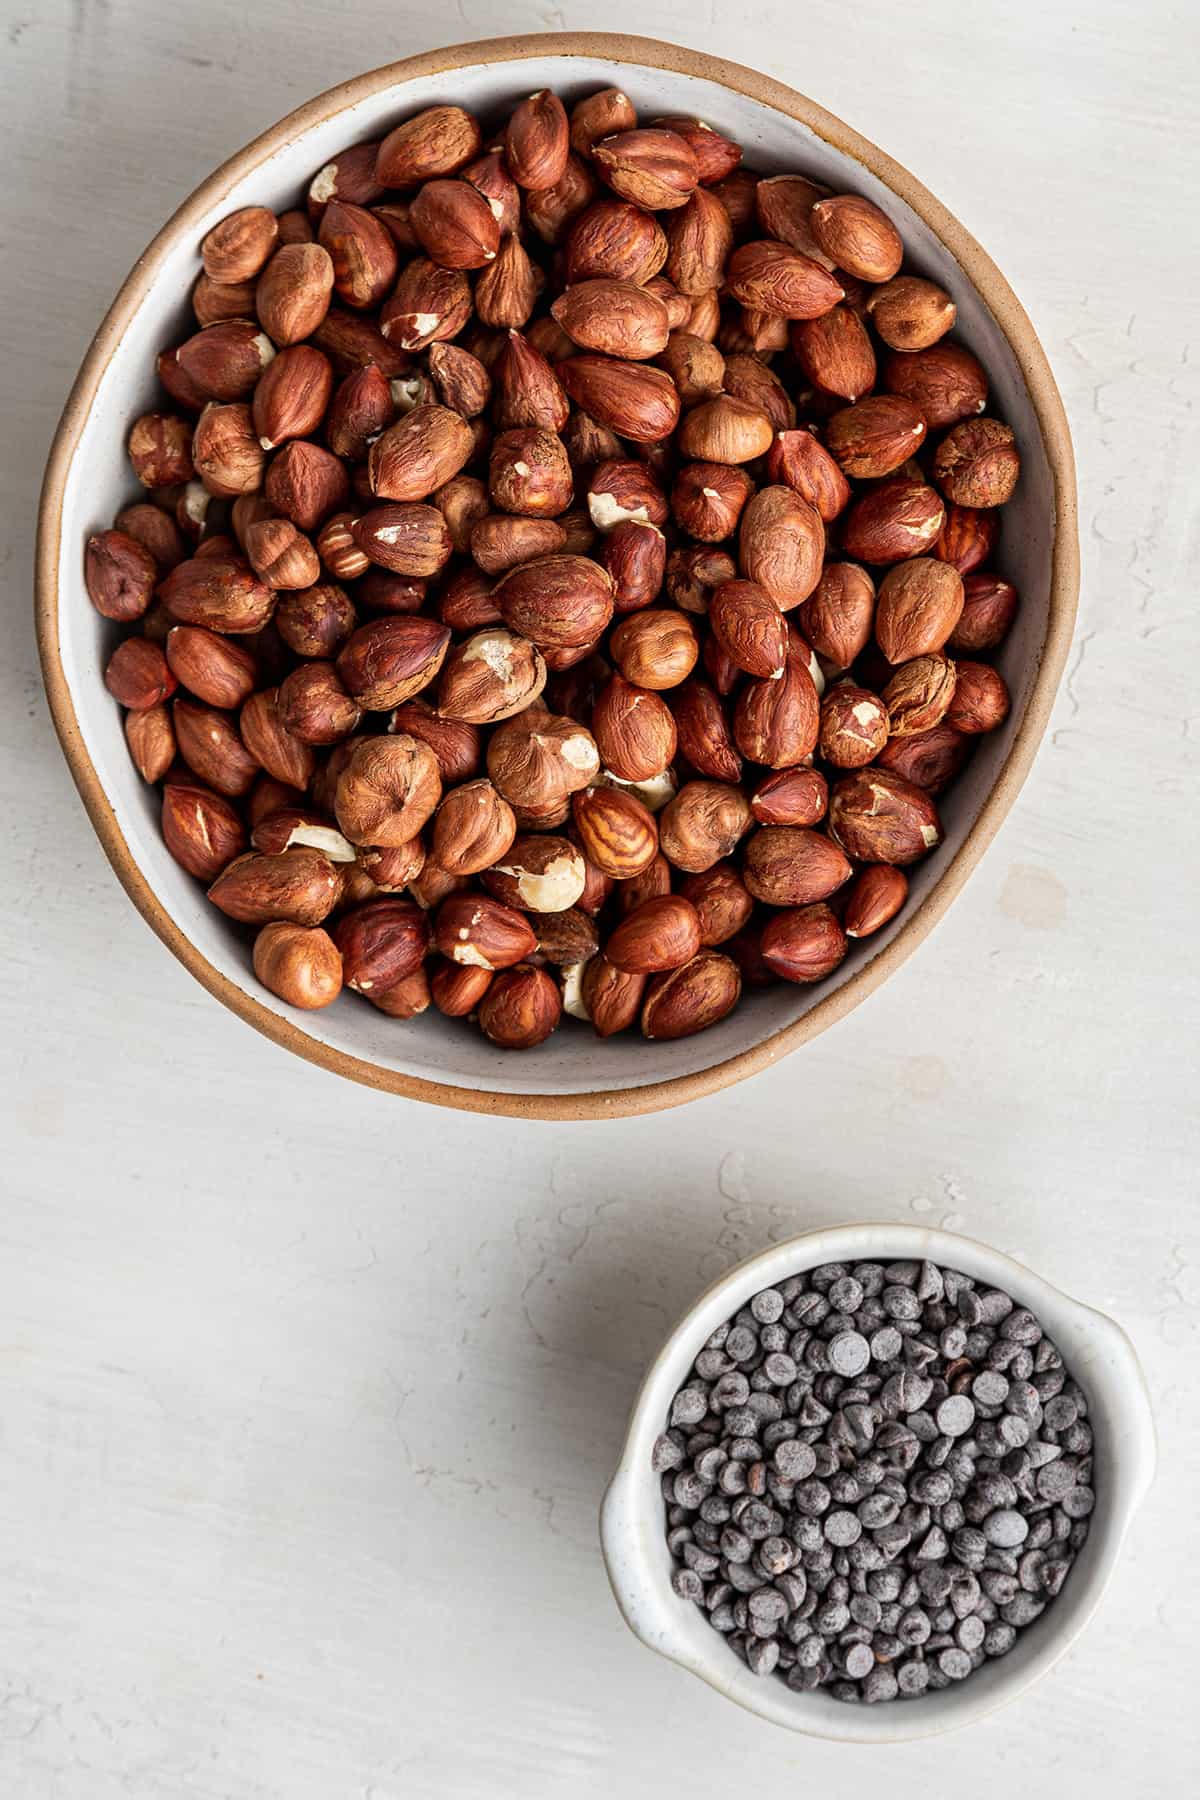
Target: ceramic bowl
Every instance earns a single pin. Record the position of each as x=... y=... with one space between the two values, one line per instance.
x=88 y=480
x=632 y=1532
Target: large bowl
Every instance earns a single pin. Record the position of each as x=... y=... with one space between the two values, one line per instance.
x=1098 y=1355
x=574 y=1075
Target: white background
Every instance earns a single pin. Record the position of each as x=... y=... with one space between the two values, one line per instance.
x=308 y=1395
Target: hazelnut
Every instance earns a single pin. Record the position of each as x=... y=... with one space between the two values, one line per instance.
x=898 y=518
x=634 y=731
x=280 y=555
x=699 y=240
x=804 y=944
x=362 y=250
x=919 y=694
x=200 y=829
x=775 y=723
x=419 y=453
x=662 y=933
x=473 y=828
x=835 y=353
x=537 y=141
x=338 y=550
x=315 y=707
x=857 y=236
x=482 y=933
x=722 y=901
x=854 y=726
x=387 y=791
x=910 y=313
x=456 y=744
x=989 y=608
x=268 y=740
x=306 y=483
x=631 y=398
x=725 y=430
x=656 y=648
x=291 y=394
x=703 y=824
x=221 y=594
x=151 y=741
x=456 y=989
x=615 y=239
x=619 y=492
x=556 y=601
x=567 y=938
x=616 y=832
x=209 y=744
x=293 y=292
x=791 y=797
x=781 y=542
x=750 y=629
x=521 y=1008
x=313 y=621
x=877 y=816
x=611 y=998
x=537 y=759
x=919 y=605
x=380 y=944
x=980 y=701
x=770 y=277
x=301 y=886
x=437 y=141
x=703 y=731
x=875 y=436
x=492 y=676
x=786 y=865
x=154 y=530
x=617 y=318
x=540 y=873
x=406 y=1000
x=929 y=759
x=797 y=460
x=388 y=660
x=707 y=500
x=692 y=998
x=977 y=463
x=300 y=965
x=876 y=896
x=137 y=675
x=529 y=473
x=946 y=382
x=160 y=449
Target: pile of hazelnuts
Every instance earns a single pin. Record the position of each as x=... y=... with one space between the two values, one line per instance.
x=562 y=577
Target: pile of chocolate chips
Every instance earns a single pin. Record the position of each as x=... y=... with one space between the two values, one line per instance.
x=876 y=1477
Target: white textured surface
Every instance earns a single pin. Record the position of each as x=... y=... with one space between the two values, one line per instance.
x=308 y=1396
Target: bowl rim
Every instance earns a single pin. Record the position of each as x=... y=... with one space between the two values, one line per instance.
x=1115 y=1376
x=1047 y=404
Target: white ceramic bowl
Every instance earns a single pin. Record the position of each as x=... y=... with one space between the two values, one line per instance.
x=575 y=1074
x=1099 y=1356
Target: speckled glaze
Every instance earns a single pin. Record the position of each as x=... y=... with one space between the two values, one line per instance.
x=1098 y=1354
x=573 y=1075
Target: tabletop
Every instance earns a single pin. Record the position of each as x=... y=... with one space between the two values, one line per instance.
x=308 y=1395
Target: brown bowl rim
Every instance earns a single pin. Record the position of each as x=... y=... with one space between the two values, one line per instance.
x=1031 y=359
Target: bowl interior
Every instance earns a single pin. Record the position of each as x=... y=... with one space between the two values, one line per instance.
x=1098 y=1355
x=98 y=481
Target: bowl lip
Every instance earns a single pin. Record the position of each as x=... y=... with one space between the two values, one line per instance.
x=638 y=1588
x=1010 y=317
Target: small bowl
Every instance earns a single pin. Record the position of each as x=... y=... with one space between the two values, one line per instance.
x=575 y=1074
x=1099 y=1356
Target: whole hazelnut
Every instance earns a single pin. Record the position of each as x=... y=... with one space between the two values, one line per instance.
x=521 y=1008
x=473 y=828
x=299 y=964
